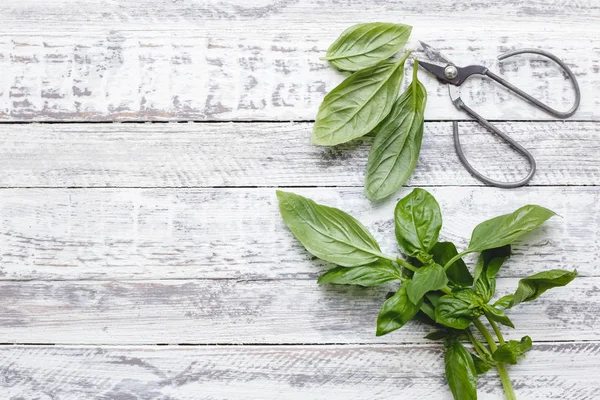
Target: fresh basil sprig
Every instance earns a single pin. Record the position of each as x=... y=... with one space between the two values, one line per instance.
x=449 y=298
x=364 y=45
x=367 y=102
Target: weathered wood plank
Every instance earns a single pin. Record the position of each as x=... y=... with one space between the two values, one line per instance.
x=275 y=154
x=229 y=311
x=238 y=233
x=158 y=60
x=550 y=371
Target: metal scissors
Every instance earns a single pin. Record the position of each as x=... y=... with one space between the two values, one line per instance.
x=455 y=76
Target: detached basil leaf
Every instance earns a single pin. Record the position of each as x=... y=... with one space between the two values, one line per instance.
x=326 y=232
x=511 y=350
x=426 y=279
x=354 y=107
x=418 y=222
x=505 y=229
x=505 y=302
x=396 y=311
x=459 y=309
x=497 y=315
x=487 y=268
x=460 y=371
x=395 y=151
x=380 y=272
x=365 y=45
x=532 y=287
x=458 y=273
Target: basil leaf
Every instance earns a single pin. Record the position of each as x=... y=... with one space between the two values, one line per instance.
x=532 y=287
x=426 y=279
x=326 y=232
x=505 y=229
x=354 y=107
x=434 y=297
x=426 y=314
x=460 y=371
x=481 y=366
x=487 y=268
x=437 y=335
x=380 y=272
x=365 y=45
x=395 y=151
x=457 y=272
x=511 y=350
x=497 y=315
x=459 y=309
x=396 y=311
x=418 y=222
x=505 y=302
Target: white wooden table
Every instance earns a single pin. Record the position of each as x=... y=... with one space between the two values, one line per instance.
x=148 y=261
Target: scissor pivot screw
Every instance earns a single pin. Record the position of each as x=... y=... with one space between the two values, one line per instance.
x=450 y=72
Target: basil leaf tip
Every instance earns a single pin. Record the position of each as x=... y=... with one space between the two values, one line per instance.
x=364 y=45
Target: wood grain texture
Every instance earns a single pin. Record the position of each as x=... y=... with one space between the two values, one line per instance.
x=250 y=312
x=277 y=154
x=85 y=60
x=65 y=234
x=550 y=371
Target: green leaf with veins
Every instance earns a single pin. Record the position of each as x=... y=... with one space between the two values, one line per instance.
x=534 y=286
x=328 y=233
x=364 y=45
x=396 y=311
x=426 y=279
x=418 y=222
x=487 y=267
x=374 y=274
x=497 y=315
x=511 y=350
x=505 y=229
x=461 y=373
x=358 y=104
x=457 y=272
x=504 y=302
x=458 y=309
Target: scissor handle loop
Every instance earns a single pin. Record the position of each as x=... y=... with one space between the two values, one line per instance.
x=528 y=97
x=516 y=146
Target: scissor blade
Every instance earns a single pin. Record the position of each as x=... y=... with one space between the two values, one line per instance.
x=434 y=55
x=436 y=70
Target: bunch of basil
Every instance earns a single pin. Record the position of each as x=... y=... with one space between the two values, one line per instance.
x=436 y=286
x=367 y=102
